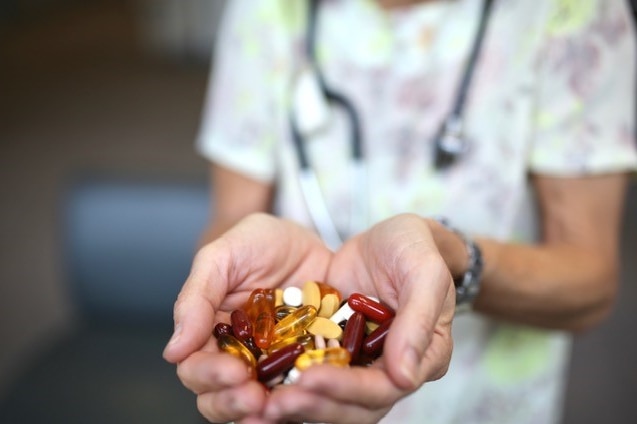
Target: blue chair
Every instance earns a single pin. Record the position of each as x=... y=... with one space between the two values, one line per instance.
x=128 y=246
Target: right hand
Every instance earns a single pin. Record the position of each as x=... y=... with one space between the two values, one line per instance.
x=260 y=252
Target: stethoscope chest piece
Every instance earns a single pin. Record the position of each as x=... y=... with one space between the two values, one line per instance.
x=310 y=109
x=450 y=142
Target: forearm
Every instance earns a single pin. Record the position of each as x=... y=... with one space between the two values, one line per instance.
x=553 y=286
x=233 y=197
x=214 y=229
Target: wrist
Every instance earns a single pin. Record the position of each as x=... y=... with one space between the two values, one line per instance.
x=467 y=281
x=451 y=248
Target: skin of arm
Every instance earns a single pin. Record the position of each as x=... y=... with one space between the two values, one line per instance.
x=235 y=196
x=569 y=279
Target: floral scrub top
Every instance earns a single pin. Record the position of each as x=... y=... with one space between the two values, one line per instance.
x=552 y=94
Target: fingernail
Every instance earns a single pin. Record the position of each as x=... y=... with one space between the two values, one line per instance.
x=409 y=366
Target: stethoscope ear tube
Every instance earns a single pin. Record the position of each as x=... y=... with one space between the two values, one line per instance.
x=450 y=142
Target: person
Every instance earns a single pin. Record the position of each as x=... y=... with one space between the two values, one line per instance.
x=536 y=199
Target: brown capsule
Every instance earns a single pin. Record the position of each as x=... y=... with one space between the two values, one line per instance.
x=373 y=343
x=241 y=325
x=353 y=334
x=251 y=345
x=278 y=362
x=222 y=328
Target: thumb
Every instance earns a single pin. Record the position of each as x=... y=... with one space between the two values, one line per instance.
x=409 y=357
x=194 y=311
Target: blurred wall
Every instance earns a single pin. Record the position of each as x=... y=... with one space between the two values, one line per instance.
x=116 y=86
x=103 y=85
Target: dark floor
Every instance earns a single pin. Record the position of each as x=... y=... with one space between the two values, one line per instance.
x=76 y=94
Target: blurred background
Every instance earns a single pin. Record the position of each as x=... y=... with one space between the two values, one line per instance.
x=110 y=92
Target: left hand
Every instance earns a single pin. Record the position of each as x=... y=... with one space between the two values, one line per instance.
x=398 y=262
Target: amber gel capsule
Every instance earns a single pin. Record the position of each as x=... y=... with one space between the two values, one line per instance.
x=241 y=325
x=278 y=362
x=260 y=300
x=264 y=330
x=353 y=334
x=233 y=346
x=251 y=305
x=373 y=343
x=373 y=310
x=332 y=355
x=295 y=323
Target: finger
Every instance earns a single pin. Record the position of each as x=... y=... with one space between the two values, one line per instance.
x=368 y=387
x=232 y=404
x=424 y=291
x=292 y=403
x=205 y=372
x=194 y=311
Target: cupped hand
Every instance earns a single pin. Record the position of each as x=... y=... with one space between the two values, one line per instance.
x=398 y=262
x=259 y=252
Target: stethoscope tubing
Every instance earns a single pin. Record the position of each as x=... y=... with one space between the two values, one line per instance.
x=451 y=128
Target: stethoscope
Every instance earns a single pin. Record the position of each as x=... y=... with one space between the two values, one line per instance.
x=450 y=142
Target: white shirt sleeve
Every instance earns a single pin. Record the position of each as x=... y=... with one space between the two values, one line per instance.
x=584 y=116
x=243 y=112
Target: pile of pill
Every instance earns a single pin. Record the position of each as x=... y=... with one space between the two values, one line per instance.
x=279 y=333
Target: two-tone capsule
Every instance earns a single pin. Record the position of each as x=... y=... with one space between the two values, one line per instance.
x=279 y=362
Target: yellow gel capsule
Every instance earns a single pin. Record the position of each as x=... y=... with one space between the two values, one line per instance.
x=332 y=355
x=295 y=323
x=233 y=346
x=306 y=340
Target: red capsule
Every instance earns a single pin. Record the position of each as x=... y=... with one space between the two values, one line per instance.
x=373 y=343
x=241 y=325
x=373 y=310
x=353 y=334
x=278 y=362
x=222 y=328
